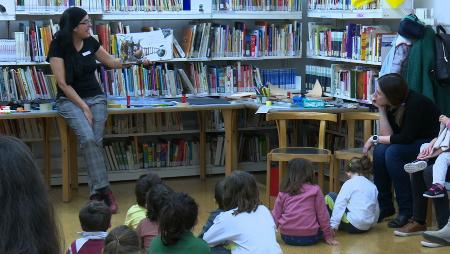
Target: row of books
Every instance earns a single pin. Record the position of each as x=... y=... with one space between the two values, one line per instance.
x=315 y=73
x=356 y=41
x=27 y=84
x=31 y=43
x=254 y=148
x=41 y=6
x=145 y=123
x=258 y=5
x=145 y=5
x=248 y=119
x=263 y=40
x=356 y=82
x=129 y=155
x=22 y=128
x=341 y=5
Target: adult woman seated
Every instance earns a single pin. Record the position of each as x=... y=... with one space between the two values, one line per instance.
x=407 y=120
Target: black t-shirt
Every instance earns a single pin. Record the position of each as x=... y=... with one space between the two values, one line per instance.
x=83 y=65
x=420 y=120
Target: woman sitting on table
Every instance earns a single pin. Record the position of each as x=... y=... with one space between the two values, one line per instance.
x=407 y=119
x=72 y=56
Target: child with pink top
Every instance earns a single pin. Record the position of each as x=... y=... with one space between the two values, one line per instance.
x=300 y=212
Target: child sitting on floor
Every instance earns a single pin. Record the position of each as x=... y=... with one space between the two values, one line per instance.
x=122 y=240
x=355 y=209
x=95 y=219
x=245 y=223
x=218 y=195
x=157 y=198
x=438 y=147
x=137 y=211
x=176 y=220
x=299 y=211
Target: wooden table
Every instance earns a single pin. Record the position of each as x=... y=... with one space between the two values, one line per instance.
x=69 y=144
x=45 y=117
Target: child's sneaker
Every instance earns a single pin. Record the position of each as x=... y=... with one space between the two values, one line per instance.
x=415 y=166
x=436 y=191
x=430 y=244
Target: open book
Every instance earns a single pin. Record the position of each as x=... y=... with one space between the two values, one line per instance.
x=153 y=46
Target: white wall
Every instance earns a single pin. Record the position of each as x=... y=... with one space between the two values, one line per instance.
x=441 y=9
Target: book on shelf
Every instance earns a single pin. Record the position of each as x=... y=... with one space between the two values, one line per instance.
x=27 y=84
x=268 y=5
x=353 y=82
x=44 y=6
x=112 y=6
x=320 y=73
x=355 y=41
x=145 y=123
x=264 y=39
x=254 y=148
x=22 y=128
x=342 y=5
x=129 y=155
x=31 y=42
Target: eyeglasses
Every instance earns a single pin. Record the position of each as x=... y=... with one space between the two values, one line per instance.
x=86 y=22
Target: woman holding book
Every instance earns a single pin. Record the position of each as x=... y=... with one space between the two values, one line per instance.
x=407 y=119
x=81 y=101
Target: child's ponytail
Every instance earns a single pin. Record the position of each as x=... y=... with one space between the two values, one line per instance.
x=362 y=166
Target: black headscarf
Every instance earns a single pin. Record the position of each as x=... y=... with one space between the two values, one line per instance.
x=70 y=19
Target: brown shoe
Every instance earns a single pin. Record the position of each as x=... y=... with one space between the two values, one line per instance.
x=411 y=228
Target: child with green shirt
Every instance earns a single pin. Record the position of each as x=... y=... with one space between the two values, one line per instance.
x=176 y=220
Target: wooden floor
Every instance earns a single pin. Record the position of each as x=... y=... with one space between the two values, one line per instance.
x=378 y=240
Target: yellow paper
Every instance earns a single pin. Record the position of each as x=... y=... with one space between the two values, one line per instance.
x=395 y=3
x=316 y=92
x=359 y=3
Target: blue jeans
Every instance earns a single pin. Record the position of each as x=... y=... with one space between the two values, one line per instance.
x=388 y=163
x=302 y=240
x=89 y=137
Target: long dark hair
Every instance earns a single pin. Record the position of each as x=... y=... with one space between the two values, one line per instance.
x=299 y=172
x=122 y=240
x=27 y=223
x=70 y=19
x=178 y=216
x=395 y=88
x=362 y=166
x=157 y=198
x=241 y=192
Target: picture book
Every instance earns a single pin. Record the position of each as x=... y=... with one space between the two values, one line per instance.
x=153 y=46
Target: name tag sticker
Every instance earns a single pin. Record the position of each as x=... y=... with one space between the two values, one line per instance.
x=86 y=53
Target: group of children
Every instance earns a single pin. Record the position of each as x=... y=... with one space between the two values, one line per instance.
x=162 y=220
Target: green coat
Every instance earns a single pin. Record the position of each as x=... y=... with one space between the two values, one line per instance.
x=422 y=59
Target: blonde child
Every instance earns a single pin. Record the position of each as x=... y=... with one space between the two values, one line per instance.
x=300 y=212
x=137 y=212
x=245 y=224
x=355 y=209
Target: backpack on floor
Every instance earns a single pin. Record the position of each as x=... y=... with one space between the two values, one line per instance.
x=442 y=68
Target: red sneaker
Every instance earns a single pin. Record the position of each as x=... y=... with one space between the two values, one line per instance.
x=111 y=202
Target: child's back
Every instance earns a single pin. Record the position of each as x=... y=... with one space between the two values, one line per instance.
x=95 y=218
x=252 y=232
x=246 y=224
x=176 y=219
x=303 y=214
x=361 y=197
x=137 y=212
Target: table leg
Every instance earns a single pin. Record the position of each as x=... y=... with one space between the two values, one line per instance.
x=64 y=136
